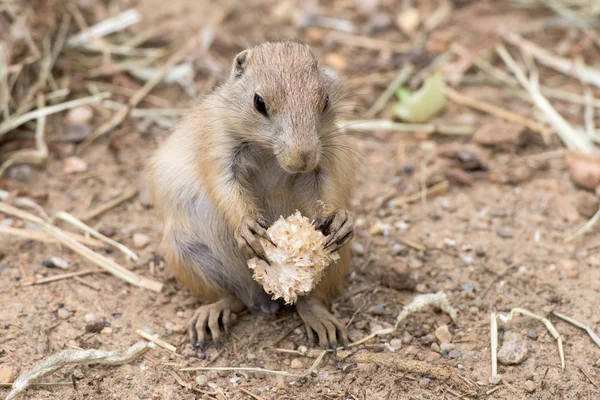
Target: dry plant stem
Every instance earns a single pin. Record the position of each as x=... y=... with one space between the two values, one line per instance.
x=24 y=202
x=37 y=156
x=84 y=251
x=439 y=188
x=414 y=245
x=45 y=68
x=41 y=384
x=106 y=27
x=62 y=276
x=495 y=111
x=66 y=217
x=380 y=103
x=484 y=65
x=74 y=357
x=585 y=228
x=494 y=343
x=590 y=127
x=570 y=137
x=120 y=115
x=44 y=238
x=367 y=42
x=388 y=125
x=578 y=324
x=576 y=69
x=515 y=311
x=249 y=393
x=111 y=204
x=4 y=93
x=17 y=121
x=157 y=341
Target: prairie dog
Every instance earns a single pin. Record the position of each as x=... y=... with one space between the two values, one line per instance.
x=263 y=145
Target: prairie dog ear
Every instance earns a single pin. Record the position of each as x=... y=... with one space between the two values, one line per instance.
x=240 y=62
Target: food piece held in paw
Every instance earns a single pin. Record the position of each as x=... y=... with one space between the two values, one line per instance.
x=297 y=260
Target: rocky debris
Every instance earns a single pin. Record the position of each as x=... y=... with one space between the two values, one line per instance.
x=443 y=335
x=201 y=380
x=505 y=135
x=532 y=334
x=529 y=386
x=569 y=268
x=397 y=276
x=514 y=349
x=175 y=328
x=94 y=326
x=357 y=248
x=140 y=240
x=7 y=374
x=585 y=171
x=81 y=115
x=505 y=232
x=435 y=347
x=354 y=335
x=55 y=262
x=74 y=165
x=63 y=313
x=296 y=364
x=396 y=344
x=379 y=310
x=587 y=204
x=408 y=20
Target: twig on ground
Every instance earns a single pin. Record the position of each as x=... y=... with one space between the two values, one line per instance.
x=576 y=69
x=4 y=92
x=17 y=121
x=249 y=393
x=45 y=238
x=388 y=125
x=439 y=188
x=587 y=375
x=106 y=27
x=570 y=137
x=585 y=228
x=495 y=110
x=410 y=243
x=380 y=103
x=37 y=156
x=62 y=276
x=88 y=284
x=590 y=126
x=98 y=259
x=494 y=343
x=127 y=195
x=120 y=115
x=71 y=357
x=157 y=341
x=578 y=324
x=515 y=311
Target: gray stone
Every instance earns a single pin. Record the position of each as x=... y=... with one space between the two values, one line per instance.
x=529 y=386
x=514 y=349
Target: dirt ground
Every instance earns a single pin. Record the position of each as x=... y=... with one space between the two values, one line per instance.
x=493 y=245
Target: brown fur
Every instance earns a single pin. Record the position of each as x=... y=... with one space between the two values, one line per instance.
x=226 y=161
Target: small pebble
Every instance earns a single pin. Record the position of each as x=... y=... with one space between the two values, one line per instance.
x=79 y=115
x=406 y=337
x=55 y=262
x=532 y=334
x=94 y=326
x=296 y=364
x=106 y=331
x=74 y=165
x=355 y=335
x=302 y=349
x=360 y=324
x=376 y=327
x=505 y=232
x=223 y=374
x=399 y=249
x=415 y=263
x=453 y=354
x=569 y=267
x=480 y=251
x=379 y=310
x=358 y=249
x=529 y=386
x=427 y=339
x=7 y=374
x=494 y=380
x=473 y=310
x=176 y=328
x=89 y=317
x=423 y=382
x=250 y=357
x=77 y=373
x=443 y=335
x=436 y=347
x=597 y=363
x=380 y=228
x=140 y=240
x=468 y=287
x=201 y=380
x=514 y=349
x=396 y=344
x=63 y=313
x=446 y=347
x=553 y=298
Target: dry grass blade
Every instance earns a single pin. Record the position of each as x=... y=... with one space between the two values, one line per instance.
x=590 y=126
x=495 y=110
x=494 y=343
x=439 y=188
x=37 y=156
x=4 y=93
x=576 y=69
x=578 y=324
x=515 y=311
x=17 y=121
x=157 y=341
x=570 y=137
x=73 y=357
x=61 y=277
x=380 y=103
x=120 y=115
x=106 y=27
x=45 y=238
x=387 y=125
x=111 y=204
x=585 y=228
x=66 y=217
x=82 y=250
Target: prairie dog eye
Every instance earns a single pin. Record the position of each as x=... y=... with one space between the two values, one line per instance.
x=259 y=105
x=326 y=103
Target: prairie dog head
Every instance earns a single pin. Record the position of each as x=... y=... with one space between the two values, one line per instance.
x=285 y=102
